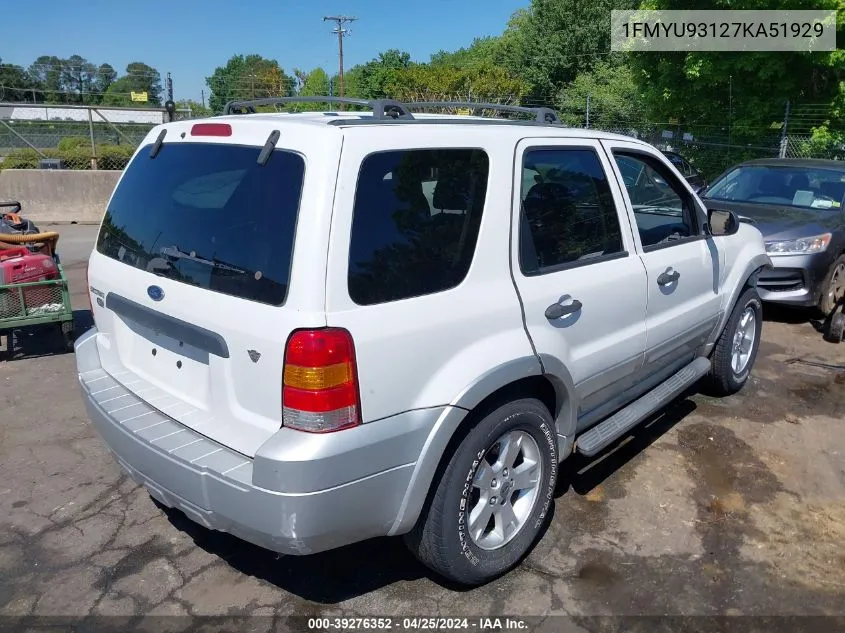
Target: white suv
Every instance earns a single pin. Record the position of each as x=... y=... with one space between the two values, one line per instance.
x=317 y=328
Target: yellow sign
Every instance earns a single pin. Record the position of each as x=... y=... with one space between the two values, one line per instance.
x=464 y=111
x=138 y=96
x=673 y=121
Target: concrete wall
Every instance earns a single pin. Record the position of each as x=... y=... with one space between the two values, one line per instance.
x=58 y=195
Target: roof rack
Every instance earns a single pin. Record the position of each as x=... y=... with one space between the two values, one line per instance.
x=541 y=115
x=389 y=109
x=381 y=108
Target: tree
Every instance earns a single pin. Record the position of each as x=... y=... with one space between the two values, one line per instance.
x=77 y=78
x=739 y=93
x=46 y=73
x=316 y=83
x=483 y=50
x=615 y=97
x=437 y=82
x=554 y=41
x=139 y=77
x=247 y=77
x=15 y=84
x=372 y=78
x=106 y=76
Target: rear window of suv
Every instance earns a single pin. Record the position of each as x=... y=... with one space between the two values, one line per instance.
x=415 y=222
x=210 y=216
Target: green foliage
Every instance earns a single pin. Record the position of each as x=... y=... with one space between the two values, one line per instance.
x=316 y=83
x=554 y=41
x=483 y=50
x=437 y=82
x=826 y=143
x=21 y=159
x=75 y=80
x=73 y=142
x=76 y=158
x=247 y=77
x=613 y=92
x=139 y=78
x=749 y=88
x=370 y=80
x=15 y=83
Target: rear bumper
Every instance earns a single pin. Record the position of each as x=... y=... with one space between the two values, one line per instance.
x=794 y=279
x=301 y=494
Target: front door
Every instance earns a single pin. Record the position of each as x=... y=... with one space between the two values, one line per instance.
x=681 y=261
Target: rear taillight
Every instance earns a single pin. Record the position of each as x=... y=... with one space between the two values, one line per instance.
x=320 y=385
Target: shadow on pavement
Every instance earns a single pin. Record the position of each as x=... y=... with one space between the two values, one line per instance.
x=582 y=474
x=41 y=340
x=325 y=578
x=351 y=571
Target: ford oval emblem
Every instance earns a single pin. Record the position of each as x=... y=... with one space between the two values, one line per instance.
x=156 y=293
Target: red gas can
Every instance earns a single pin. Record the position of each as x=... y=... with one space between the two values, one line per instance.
x=20 y=266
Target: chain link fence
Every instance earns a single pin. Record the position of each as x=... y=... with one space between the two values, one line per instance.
x=86 y=137
x=74 y=137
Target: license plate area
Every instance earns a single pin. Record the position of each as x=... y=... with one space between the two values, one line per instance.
x=174 y=366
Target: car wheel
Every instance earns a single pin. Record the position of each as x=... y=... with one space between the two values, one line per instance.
x=736 y=349
x=835 y=331
x=493 y=498
x=833 y=288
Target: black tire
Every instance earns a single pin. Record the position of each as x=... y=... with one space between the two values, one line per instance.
x=836 y=328
x=834 y=279
x=441 y=540
x=68 y=334
x=724 y=381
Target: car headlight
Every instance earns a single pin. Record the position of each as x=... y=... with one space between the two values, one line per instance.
x=801 y=246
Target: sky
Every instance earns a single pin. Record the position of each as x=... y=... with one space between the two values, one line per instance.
x=190 y=39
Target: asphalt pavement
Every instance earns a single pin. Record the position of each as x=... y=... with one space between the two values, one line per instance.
x=716 y=507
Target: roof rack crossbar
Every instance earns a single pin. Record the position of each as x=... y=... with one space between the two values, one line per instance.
x=382 y=108
x=542 y=115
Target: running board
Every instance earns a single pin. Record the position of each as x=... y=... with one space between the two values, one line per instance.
x=614 y=427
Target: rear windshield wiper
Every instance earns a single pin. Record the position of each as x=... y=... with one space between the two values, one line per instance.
x=175 y=253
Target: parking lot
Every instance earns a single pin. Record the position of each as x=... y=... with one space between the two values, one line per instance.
x=716 y=507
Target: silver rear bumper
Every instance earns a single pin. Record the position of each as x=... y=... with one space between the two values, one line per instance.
x=332 y=490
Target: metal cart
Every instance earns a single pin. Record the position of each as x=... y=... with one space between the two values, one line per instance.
x=39 y=302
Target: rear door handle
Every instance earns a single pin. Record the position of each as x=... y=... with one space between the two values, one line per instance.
x=668 y=277
x=557 y=310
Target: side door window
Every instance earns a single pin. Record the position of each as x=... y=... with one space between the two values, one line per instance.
x=568 y=213
x=664 y=211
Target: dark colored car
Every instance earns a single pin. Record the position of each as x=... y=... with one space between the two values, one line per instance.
x=694 y=177
x=799 y=207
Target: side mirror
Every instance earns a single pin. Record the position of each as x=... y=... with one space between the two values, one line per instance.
x=722 y=222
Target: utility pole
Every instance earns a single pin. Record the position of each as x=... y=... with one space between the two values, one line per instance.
x=340 y=20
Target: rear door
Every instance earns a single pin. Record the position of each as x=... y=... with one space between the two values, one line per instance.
x=682 y=263
x=192 y=277
x=582 y=285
